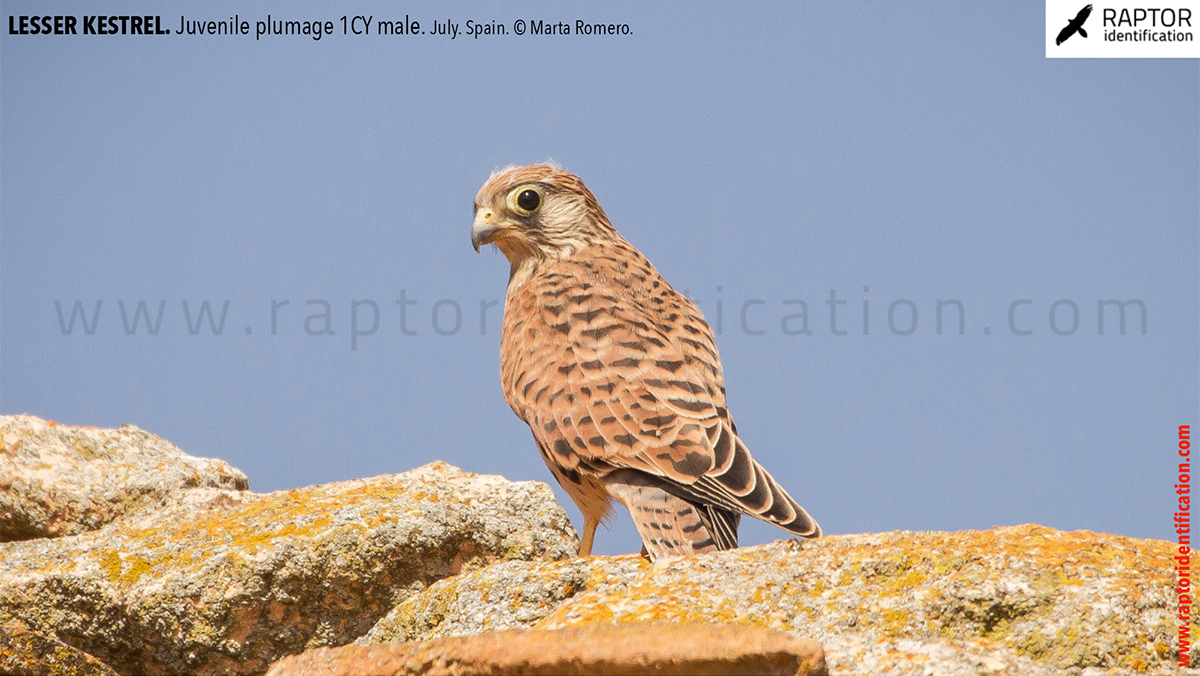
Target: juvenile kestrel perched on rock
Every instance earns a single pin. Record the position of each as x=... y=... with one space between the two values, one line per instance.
x=617 y=374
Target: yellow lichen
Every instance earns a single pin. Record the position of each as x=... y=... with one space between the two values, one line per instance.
x=121 y=571
x=110 y=562
x=895 y=621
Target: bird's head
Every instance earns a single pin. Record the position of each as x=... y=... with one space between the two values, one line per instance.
x=538 y=211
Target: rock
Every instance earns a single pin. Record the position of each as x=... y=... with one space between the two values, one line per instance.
x=664 y=649
x=164 y=563
x=1013 y=600
x=227 y=582
x=58 y=480
x=32 y=654
x=508 y=595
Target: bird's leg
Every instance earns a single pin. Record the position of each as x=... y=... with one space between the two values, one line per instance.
x=589 y=534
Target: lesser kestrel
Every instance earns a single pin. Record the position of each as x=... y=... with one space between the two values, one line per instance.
x=617 y=374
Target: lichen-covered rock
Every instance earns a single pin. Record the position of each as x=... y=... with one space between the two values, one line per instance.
x=59 y=480
x=31 y=654
x=628 y=650
x=508 y=595
x=226 y=582
x=1013 y=600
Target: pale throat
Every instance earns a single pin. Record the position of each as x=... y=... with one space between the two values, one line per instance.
x=525 y=259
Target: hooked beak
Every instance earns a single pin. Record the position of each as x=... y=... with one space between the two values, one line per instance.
x=485 y=228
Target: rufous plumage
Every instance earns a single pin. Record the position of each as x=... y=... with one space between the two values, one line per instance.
x=617 y=374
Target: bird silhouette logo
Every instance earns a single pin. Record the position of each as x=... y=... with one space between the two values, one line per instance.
x=1075 y=26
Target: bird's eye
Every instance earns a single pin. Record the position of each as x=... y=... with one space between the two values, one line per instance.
x=525 y=200
x=528 y=200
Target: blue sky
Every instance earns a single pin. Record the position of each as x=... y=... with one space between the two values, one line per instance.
x=763 y=158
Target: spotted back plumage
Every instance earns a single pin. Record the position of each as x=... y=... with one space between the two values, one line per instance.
x=617 y=374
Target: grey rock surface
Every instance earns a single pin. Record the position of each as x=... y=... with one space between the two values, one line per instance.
x=227 y=582
x=1013 y=600
x=58 y=480
x=140 y=559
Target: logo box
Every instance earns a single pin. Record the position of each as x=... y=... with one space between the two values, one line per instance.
x=1076 y=29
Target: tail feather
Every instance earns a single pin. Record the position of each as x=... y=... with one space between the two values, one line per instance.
x=670 y=525
x=745 y=486
x=681 y=519
x=799 y=523
x=722 y=524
